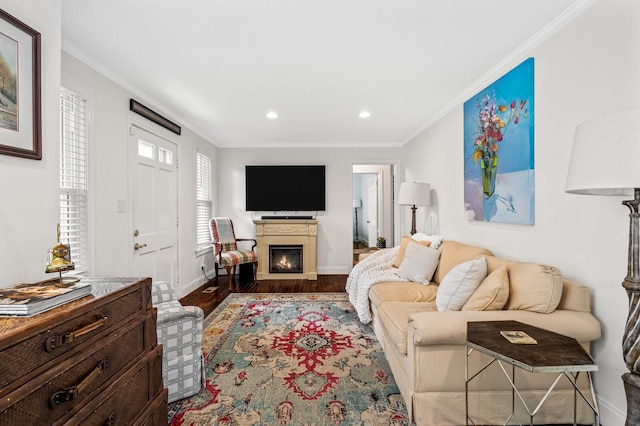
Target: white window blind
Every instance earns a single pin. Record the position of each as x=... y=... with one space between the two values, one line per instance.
x=73 y=177
x=204 y=205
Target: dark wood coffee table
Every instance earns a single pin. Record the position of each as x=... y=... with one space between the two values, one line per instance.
x=554 y=353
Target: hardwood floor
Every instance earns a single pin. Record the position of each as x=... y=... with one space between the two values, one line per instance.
x=209 y=300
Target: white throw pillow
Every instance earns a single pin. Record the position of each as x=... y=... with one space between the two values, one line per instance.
x=460 y=283
x=419 y=263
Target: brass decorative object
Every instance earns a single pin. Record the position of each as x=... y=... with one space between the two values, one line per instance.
x=60 y=261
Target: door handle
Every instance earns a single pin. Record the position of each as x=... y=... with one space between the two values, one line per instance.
x=137 y=246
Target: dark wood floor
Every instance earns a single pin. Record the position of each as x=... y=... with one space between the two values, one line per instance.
x=208 y=301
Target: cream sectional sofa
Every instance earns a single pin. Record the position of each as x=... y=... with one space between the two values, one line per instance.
x=426 y=347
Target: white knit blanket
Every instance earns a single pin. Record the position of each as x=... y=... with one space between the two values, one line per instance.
x=375 y=268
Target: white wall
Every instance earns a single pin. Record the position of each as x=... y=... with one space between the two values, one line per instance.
x=589 y=67
x=335 y=224
x=29 y=207
x=110 y=238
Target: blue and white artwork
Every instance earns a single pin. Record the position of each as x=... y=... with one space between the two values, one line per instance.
x=498 y=150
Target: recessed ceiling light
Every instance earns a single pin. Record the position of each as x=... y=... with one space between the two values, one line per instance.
x=364 y=114
x=272 y=114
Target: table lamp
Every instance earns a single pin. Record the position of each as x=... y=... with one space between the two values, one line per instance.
x=414 y=194
x=605 y=161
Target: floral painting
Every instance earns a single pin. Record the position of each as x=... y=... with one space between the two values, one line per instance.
x=498 y=150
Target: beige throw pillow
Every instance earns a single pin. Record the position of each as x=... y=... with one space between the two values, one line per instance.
x=491 y=294
x=419 y=263
x=459 y=283
x=403 y=248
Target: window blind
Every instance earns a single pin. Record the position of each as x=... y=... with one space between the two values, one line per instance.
x=73 y=177
x=204 y=204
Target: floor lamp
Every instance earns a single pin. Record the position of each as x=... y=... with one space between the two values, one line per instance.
x=357 y=203
x=606 y=161
x=414 y=194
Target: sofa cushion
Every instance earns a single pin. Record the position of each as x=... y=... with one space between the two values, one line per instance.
x=491 y=294
x=575 y=297
x=454 y=253
x=403 y=248
x=458 y=285
x=394 y=317
x=419 y=263
x=534 y=287
x=401 y=291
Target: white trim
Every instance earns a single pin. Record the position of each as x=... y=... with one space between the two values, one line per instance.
x=513 y=59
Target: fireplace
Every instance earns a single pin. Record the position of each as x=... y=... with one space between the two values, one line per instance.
x=299 y=233
x=285 y=259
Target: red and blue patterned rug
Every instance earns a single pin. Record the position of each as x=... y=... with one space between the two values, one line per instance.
x=291 y=359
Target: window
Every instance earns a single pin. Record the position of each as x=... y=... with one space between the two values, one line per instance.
x=73 y=177
x=204 y=205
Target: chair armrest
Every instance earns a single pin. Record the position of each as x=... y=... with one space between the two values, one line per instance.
x=255 y=243
x=174 y=312
x=161 y=291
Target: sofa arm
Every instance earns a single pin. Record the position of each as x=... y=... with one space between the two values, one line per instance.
x=450 y=327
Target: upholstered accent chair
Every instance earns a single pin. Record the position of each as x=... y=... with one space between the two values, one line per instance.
x=179 y=330
x=225 y=249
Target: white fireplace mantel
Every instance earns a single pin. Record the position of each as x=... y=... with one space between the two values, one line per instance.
x=302 y=232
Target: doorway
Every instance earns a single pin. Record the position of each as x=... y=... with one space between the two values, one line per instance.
x=153 y=199
x=372 y=213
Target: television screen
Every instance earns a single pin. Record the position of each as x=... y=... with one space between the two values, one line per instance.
x=285 y=188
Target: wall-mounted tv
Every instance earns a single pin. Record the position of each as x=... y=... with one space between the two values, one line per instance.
x=285 y=188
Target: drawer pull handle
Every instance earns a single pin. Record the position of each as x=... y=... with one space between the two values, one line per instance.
x=58 y=340
x=70 y=394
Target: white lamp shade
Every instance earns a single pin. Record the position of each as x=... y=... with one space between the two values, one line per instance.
x=357 y=202
x=606 y=155
x=414 y=194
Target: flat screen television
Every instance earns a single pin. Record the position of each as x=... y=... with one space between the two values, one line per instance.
x=285 y=188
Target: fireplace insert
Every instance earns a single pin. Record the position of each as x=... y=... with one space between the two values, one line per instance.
x=285 y=259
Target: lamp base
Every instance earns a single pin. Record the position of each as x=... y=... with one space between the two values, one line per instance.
x=413 y=220
x=632 y=390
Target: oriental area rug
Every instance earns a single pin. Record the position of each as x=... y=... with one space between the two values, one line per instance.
x=291 y=359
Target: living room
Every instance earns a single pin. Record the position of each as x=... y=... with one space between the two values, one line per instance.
x=584 y=66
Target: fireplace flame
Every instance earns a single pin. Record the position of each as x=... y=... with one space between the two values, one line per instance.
x=283 y=263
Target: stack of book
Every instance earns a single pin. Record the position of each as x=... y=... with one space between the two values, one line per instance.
x=31 y=299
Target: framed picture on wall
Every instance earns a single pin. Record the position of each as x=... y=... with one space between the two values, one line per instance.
x=499 y=148
x=20 y=107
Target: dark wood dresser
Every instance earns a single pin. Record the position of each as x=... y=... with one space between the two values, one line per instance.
x=93 y=361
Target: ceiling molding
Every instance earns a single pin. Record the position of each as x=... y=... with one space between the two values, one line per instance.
x=502 y=67
x=129 y=87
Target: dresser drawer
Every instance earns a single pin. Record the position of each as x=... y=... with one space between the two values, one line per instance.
x=156 y=413
x=69 y=384
x=49 y=338
x=122 y=402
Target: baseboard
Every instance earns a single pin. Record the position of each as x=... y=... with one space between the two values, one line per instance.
x=195 y=284
x=610 y=415
x=334 y=270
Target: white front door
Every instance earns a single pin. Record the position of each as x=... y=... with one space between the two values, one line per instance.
x=153 y=200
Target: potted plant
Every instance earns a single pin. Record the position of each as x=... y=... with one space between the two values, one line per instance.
x=382 y=242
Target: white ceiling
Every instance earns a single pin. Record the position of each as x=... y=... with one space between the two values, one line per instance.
x=218 y=66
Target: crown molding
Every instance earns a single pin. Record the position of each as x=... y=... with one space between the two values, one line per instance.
x=513 y=59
